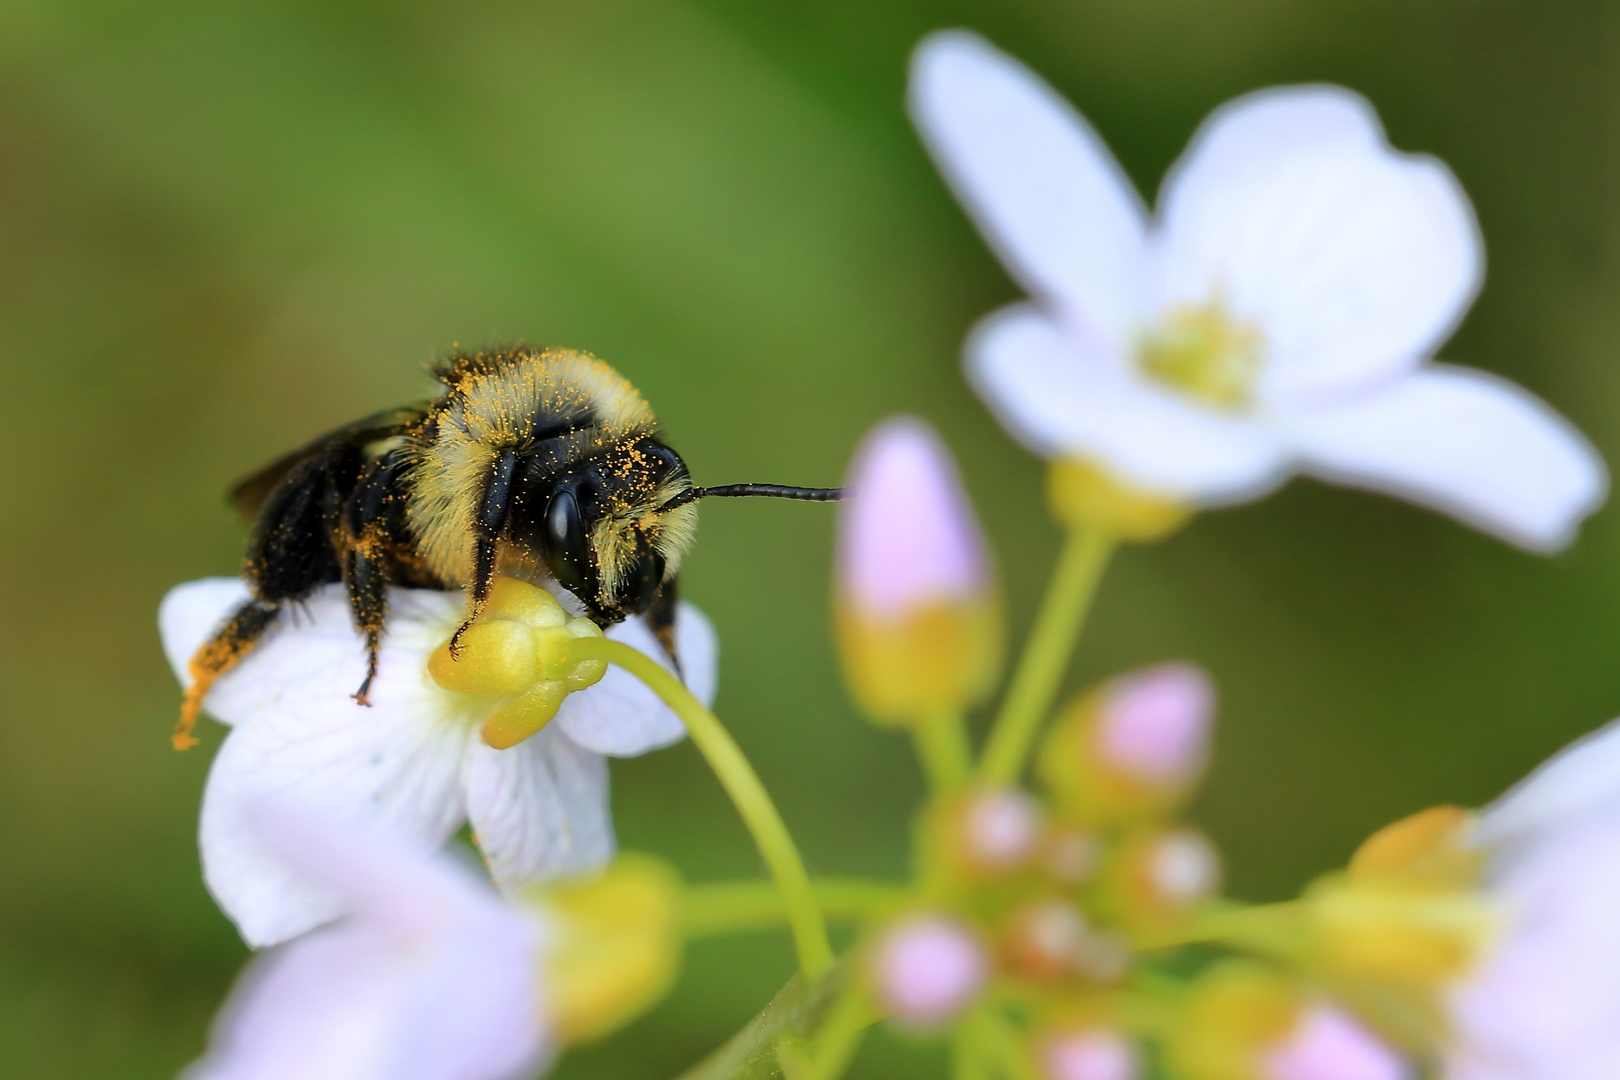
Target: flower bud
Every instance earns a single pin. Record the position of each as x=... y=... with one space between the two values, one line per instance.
x=1087 y=1053
x=1407 y=911
x=518 y=650
x=991 y=834
x=1082 y=495
x=928 y=968
x=1071 y=856
x=1134 y=748
x=1157 y=877
x=1050 y=940
x=918 y=611
x=616 y=946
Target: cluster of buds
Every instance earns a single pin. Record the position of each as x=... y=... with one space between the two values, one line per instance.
x=1034 y=913
x=1075 y=931
x=1030 y=912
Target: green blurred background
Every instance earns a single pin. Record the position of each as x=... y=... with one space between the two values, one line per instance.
x=224 y=228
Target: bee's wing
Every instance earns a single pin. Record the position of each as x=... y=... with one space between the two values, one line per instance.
x=249 y=494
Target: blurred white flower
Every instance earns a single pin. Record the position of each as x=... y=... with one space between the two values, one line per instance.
x=1545 y=1003
x=428 y=976
x=1276 y=314
x=538 y=810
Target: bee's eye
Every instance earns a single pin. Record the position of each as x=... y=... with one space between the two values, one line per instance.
x=566 y=552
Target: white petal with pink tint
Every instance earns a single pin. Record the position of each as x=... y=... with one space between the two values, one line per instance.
x=429 y=976
x=1545 y=1002
x=1329 y=1044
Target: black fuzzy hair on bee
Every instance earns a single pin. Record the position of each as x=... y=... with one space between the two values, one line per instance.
x=538 y=463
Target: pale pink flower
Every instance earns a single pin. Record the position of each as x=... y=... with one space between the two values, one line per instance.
x=427 y=975
x=1328 y=1043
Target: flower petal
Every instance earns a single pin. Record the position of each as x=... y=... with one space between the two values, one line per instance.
x=1042 y=187
x=1290 y=207
x=429 y=977
x=1051 y=392
x=539 y=810
x=190 y=614
x=1544 y=1003
x=300 y=734
x=619 y=716
x=1580 y=781
x=1466 y=443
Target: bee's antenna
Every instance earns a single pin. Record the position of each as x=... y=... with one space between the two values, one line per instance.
x=766 y=491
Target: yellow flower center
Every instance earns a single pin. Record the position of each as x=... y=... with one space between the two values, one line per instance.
x=518 y=653
x=1205 y=353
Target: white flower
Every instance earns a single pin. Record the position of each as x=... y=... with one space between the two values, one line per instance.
x=538 y=810
x=1276 y=314
x=1545 y=1003
x=429 y=975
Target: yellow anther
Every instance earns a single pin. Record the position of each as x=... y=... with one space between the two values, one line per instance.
x=1205 y=353
x=497 y=657
x=523 y=649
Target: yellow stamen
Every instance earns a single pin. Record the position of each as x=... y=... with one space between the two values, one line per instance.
x=1204 y=352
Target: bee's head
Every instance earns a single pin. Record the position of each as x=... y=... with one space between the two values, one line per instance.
x=603 y=531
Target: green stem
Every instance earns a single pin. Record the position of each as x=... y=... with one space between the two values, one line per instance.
x=796 y=1016
x=1269 y=929
x=835 y=1047
x=742 y=784
x=1046 y=654
x=735 y=907
x=942 y=745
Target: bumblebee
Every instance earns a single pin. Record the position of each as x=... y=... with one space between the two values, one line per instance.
x=538 y=463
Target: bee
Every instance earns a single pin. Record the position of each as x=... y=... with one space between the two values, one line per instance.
x=538 y=463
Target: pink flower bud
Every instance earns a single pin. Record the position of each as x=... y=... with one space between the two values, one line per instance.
x=1328 y=1043
x=907 y=535
x=928 y=968
x=1089 y=1054
x=1155 y=724
x=1183 y=867
x=919 y=617
x=1001 y=830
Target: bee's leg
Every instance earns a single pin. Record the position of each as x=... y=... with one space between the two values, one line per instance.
x=367 y=586
x=485 y=550
x=367 y=514
x=487 y=528
x=660 y=619
x=218 y=655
